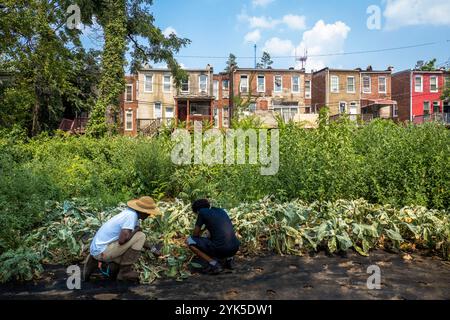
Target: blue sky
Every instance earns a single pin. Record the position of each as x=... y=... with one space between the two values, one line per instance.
x=283 y=27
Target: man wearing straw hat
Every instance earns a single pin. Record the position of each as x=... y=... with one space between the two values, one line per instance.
x=120 y=240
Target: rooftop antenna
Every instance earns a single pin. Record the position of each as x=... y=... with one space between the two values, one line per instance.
x=255 y=55
x=302 y=59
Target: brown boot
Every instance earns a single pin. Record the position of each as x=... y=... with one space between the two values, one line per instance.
x=126 y=272
x=90 y=265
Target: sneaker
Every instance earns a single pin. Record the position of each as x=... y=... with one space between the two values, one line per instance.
x=216 y=269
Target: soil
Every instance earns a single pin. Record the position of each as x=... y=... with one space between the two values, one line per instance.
x=319 y=276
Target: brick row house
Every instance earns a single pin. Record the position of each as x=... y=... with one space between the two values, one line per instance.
x=129 y=106
x=419 y=93
x=354 y=92
x=268 y=92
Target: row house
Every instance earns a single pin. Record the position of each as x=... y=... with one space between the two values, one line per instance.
x=271 y=91
x=221 y=93
x=160 y=100
x=129 y=106
x=354 y=92
x=418 y=94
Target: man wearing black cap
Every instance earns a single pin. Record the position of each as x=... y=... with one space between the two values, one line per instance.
x=222 y=244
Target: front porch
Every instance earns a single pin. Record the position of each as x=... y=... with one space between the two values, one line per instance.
x=189 y=110
x=380 y=108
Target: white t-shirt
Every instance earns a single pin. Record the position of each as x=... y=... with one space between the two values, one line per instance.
x=110 y=231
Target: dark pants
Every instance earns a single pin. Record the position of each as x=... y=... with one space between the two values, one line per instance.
x=206 y=246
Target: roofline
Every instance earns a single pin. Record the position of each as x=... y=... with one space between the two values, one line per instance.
x=270 y=70
x=420 y=71
x=168 y=70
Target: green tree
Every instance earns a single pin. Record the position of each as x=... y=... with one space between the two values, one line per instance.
x=123 y=22
x=231 y=63
x=37 y=50
x=426 y=66
x=266 y=61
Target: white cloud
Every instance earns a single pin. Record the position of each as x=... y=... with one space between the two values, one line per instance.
x=322 y=39
x=253 y=36
x=292 y=21
x=295 y=22
x=168 y=31
x=261 y=3
x=278 y=47
x=400 y=13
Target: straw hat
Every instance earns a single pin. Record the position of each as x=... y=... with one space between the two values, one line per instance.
x=145 y=205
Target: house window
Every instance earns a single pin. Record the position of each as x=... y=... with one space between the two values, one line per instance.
x=129 y=93
x=296 y=84
x=434 y=84
x=351 y=85
x=278 y=87
x=342 y=107
x=169 y=113
x=308 y=89
x=129 y=120
x=261 y=84
x=286 y=112
x=148 y=83
x=335 y=84
x=203 y=83
x=244 y=84
x=167 y=83
x=225 y=85
x=185 y=85
x=367 y=83
x=395 y=111
x=157 y=112
x=382 y=85
x=225 y=117
x=426 y=107
x=436 y=107
x=216 y=89
x=418 y=84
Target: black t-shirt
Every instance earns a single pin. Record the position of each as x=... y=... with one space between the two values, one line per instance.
x=219 y=225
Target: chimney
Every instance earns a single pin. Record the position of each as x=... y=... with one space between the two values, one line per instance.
x=390 y=68
x=369 y=68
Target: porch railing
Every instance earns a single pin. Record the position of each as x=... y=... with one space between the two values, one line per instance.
x=149 y=127
x=435 y=117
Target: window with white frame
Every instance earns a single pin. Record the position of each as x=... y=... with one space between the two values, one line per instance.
x=185 y=85
x=434 y=84
x=261 y=83
x=225 y=85
x=418 y=84
x=157 y=112
x=169 y=113
x=129 y=93
x=167 y=83
x=203 y=83
x=243 y=85
x=426 y=107
x=395 y=111
x=287 y=113
x=334 y=84
x=308 y=89
x=382 y=86
x=216 y=89
x=129 y=120
x=148 y=83
x=367 y=84
x=351 y=88
x=278 y=84
x=296 y=84
x=342 y=107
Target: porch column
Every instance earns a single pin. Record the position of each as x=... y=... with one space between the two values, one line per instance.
x=211 y=115
x=188 y=115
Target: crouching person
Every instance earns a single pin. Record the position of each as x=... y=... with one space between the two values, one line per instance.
x=219 y=249
x=119 y=241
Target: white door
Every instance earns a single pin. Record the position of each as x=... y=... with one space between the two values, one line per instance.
x=353 y=111
x=158 y=111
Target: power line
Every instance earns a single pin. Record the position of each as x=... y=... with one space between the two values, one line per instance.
x=325 y=54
